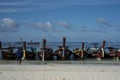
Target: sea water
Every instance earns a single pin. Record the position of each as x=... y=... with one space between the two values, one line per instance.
x=55 y=45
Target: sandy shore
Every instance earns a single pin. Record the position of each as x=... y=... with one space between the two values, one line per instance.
x=59 y=72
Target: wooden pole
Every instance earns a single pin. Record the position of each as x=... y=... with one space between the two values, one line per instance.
x=44 y=46
x=103 y=45
x=64 y=45
x=44 y=43
x=64 y=42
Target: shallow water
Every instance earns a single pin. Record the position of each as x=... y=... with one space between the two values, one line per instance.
x=71 y=45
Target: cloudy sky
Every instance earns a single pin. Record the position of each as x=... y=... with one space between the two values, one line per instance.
x=77 y=20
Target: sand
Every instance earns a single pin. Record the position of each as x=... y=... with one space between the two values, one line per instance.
x=59 y=72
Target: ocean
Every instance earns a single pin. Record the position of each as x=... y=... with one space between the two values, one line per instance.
x=54 y=45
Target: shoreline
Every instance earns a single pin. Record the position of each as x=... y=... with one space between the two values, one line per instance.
x=37 y=62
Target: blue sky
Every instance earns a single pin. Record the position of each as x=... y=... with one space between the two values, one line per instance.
x=77 y=20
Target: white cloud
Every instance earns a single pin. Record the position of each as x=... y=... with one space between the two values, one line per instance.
x=64 y=24
x=8 y=25
x=48 y=25
x=104 y=22
x=45 y=27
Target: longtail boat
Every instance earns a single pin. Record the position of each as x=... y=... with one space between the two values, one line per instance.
x=111 y=52
x=29 y=53
x=63 y=53
x=45 y=53
x=9 y=53
x=96 y=52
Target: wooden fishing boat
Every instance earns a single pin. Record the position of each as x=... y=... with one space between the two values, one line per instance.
x=82 y=53
x=47 y=53
x=96 y=52
x=30 y=53
x=63 y=53
x=111 y=52
x=8 y=53
x=92 y=52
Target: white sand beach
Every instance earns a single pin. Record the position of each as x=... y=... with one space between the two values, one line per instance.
x=59 y=72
